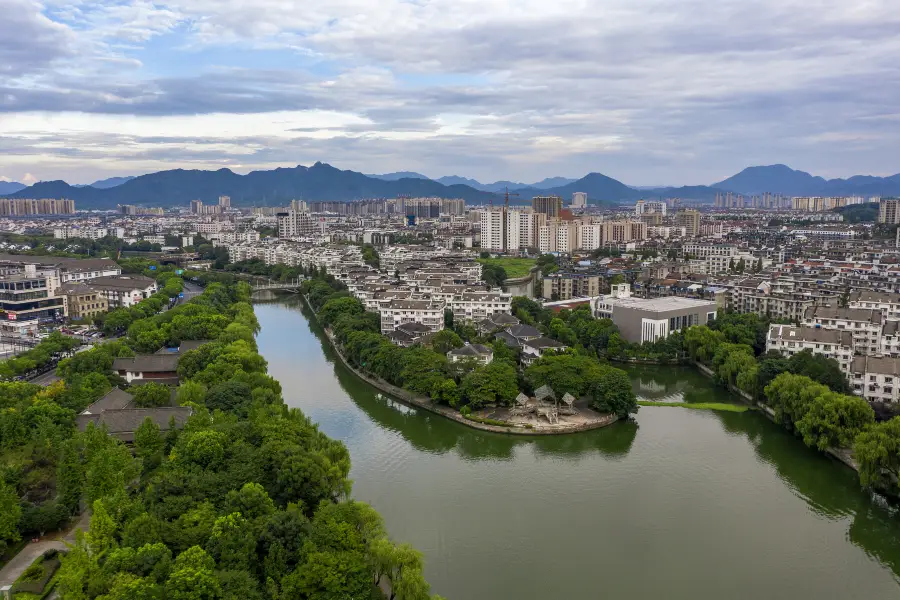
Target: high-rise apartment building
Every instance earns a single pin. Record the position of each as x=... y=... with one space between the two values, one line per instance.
x=225 y=202
x=15 y=207
x=548 y=205
x=889 y=211
x=513 y=230
x=579 y=200
x=690 y=220
x=297 y=224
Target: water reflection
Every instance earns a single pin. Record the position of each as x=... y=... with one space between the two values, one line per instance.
x=434 y=434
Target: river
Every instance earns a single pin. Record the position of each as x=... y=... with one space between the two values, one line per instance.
x=682 y=504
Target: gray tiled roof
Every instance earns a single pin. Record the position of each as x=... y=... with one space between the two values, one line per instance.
x=148 y=363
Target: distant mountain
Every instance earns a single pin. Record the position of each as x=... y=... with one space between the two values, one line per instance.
x=399 y=175
x=599 y=188
x=11 y=187
x=781 y=179
x=503 y=185
x=773 y=178
x=112 y=182
x=552 y=182
x=456 y=180
x=272 y=188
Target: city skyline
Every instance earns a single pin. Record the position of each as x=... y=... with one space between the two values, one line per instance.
x=648 y=94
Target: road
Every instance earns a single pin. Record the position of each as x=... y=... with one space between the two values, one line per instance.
x=190 y=290
x=45 y=379
x=60 y=541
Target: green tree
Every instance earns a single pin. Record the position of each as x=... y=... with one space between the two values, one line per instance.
x=251 y=501
x=10 y=513
x=817 y=367
x=494 y=383
x=190 y=392
x=192 y=577
x=834 y=421
x=612 y=392
x=877 y=451
x=565 y=373
x=150 y=395
x=69 y=476
x=446 y=340
x=149 y=445
x=446 y=392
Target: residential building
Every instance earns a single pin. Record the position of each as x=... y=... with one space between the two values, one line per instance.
x=473 y=307
x=548 y=205
x=82 y=301
x=476 y=352
x=297 y=224
x=579 y=200
x=426 y=312
x=864 y=324
x=889 y=211
x=830 y=343
x=225 y=202
x=568 y=285
x=647 y=320
x=17 y=207
x=877 y=379
x=887 y=302
x=690 y=220
x=124 y=291
x=536 y=348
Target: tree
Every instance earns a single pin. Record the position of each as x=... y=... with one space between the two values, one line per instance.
x=572 y=373
x=446 y=392
x=493 y=275
x=69 y=477
x=448 y=318
x=190 y=392
x=149 y=445
x=150 y=395
x=10 y=513
x=877 y=450
x=422 y=369
x=741 y=265
x=612 y=392
x=446 y=340
x=834 y=421
x=817 y=367
x=702 y=342
x=232 y=397
x=494 y=383
x=251 y=501
x=101 y=535
x=192 y=577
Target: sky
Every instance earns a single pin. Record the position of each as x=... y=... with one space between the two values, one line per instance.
x=649 y=92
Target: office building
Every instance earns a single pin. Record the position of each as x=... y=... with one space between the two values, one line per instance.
x=548 y=205
x=28 y=293
x=646 y=320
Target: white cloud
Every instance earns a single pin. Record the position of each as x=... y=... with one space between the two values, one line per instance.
x=640 y=89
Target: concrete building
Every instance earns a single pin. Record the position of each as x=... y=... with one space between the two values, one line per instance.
x=17 y=207
x=877 y=379
x=548 y=205
x=889 y=211
x=29 y=293
x=565 y=286
x=296 y=224
x=429 y=313
x=646 y=320
x=579 y=200
x=224 y=202
x=690 y=220
x=830 y=343
x=124 y=291
x=476 y=352
x=82 y=301
x=887 y=302
x=864 y=324
x=493 y=229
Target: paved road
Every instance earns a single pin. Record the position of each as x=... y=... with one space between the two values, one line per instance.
x=60 y=541
x=45 y=379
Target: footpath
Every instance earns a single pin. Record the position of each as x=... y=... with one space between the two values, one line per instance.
x=60 y=540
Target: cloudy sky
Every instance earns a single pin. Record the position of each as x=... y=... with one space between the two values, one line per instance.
x=646 y=91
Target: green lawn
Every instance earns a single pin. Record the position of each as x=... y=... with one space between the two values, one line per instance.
x=700 y=405
x=514 y=267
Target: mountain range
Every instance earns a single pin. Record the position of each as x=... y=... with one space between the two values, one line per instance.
x=11 y=187
x=323 y=182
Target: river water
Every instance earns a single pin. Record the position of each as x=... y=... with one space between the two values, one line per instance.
x=682 y=504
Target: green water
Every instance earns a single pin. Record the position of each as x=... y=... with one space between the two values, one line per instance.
x=684 y=504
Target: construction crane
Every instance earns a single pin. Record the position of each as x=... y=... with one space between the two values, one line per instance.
x=506 y=196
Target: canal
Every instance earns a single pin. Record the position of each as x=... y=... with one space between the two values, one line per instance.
x=682 y=504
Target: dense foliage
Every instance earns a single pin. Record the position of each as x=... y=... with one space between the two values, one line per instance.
x=249 y=500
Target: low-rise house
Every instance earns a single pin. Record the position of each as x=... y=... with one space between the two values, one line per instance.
x=516 y=335
x=408 y=334
x=495 y=322
x=535 y=348
x=145 y=368
x=124 y=291
x=115 y=412
x=477 y=352
x=886 y=302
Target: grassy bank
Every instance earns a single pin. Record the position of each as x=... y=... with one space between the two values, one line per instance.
x=699 y=405
x=514 y=267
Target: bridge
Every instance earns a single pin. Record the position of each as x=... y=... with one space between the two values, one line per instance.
x=292 y=286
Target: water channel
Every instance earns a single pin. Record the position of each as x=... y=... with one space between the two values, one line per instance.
x=683 y=504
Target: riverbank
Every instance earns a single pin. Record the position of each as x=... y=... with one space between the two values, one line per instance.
x=585 y=421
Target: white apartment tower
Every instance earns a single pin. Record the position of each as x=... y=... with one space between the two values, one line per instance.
x=579 y=200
